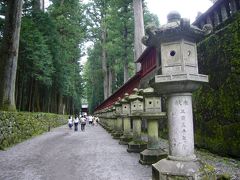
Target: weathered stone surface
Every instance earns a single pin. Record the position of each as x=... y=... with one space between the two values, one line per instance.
x=125 y=139
x=136 y=146
x=151 y=156
x=178 y=80
x=182 y=170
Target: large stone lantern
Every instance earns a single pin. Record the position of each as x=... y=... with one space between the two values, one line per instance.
x=119 y=124
x=127 y=136
x=137 y=144
x=153 y=113
x=177 y=80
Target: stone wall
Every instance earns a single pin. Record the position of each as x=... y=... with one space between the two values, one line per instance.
x=18 y=126
x=217 y=104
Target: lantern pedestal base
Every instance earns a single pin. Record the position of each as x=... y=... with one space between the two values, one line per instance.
x=109 y=130
x=125 y=139
x=136 y=146
x=117 y=135
x=151 y=156
x=170 y=169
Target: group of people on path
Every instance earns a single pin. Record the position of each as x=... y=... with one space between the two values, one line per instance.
x=83 y=120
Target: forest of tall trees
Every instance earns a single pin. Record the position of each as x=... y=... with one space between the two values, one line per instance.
x=111 y=58
x=41 y=50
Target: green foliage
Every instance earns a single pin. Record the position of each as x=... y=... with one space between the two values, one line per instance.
x=16 y=127
x=93 y=78
x=70 y=25
x=48 y=77
x=34 y=55
x=116 y=16
x=218 y=103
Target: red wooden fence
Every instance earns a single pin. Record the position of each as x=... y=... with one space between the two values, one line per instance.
x=148 y=63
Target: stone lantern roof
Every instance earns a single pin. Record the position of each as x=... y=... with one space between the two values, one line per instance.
x=176 y=28
x=135 y=95
x=125 y=99
x=149 y=92
x=117 y=104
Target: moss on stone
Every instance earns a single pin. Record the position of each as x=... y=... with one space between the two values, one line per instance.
x=18 y=126
x=217 y=104
x=138 y=142
x=223 y=177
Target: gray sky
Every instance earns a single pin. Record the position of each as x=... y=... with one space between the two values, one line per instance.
x=187 y=8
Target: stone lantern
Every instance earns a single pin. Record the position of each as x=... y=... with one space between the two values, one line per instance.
x=177 y=80
x=153 y=113
x=127 y=136
x=110 y=120
x=106 y=119
x=119 y=124
x=136 y=145
x=113 y=120
x=102 y=119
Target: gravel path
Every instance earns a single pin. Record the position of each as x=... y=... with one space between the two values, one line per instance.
x=63 y=155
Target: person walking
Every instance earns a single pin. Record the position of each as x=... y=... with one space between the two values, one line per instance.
x=97 y=120
x=83 y=123
x=76 y=122
x=70 y=122
x=90 y=119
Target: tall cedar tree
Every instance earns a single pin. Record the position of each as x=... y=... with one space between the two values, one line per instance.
x=9 y=54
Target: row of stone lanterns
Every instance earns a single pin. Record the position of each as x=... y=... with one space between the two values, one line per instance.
x=117 y=120
x=177 y=80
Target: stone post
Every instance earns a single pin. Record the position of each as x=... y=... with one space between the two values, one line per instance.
x=107 y=122
x=119 y=130
x=179 y=78
x=127 y=136
x=153 y=113
x=103 y=119
x=110 y=120
x=113 y=120
x=137 y=144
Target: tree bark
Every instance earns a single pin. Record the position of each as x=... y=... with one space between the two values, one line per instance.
x=9 y=54
x=125 y=67
x=110 y=80
x=104 y=63
x=138 y=32
x=42 y=5
x=36 y=102
x=60 y=104
x=30 y=95
x=61 y=3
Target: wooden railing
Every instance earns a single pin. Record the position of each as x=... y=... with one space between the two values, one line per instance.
x=218 y=13
x=148 y=61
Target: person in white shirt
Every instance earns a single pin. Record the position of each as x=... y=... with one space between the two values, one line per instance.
x=70 y=122
x=90 y=120
x=83 y=123
x=76 y=121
